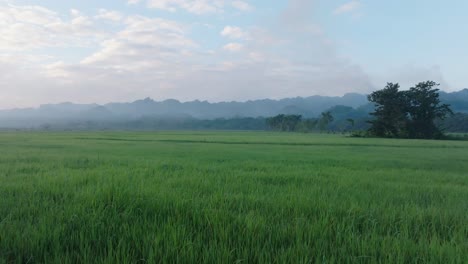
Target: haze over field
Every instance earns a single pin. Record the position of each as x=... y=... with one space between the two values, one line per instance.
x=67 y=114
x=224 y=50
x=233 y=131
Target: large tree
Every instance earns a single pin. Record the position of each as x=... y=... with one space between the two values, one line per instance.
x=391 y=106
x=425 y=108
x=325 y=119
x=284 y=122
x=408 y=114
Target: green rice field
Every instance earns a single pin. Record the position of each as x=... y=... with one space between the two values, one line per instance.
x=231 y=197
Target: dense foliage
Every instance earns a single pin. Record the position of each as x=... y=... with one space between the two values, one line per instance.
x=151 y=123
x=408 y=114
x=295 y=123
x=456 y=123
x=284 y=122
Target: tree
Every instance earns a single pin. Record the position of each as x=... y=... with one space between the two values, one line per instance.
x=291 y=122
x=408 y=114
x=391 y=106
x=275 y=122
x=351 y=123
x=284 y=122
x=325 y=119
x=308 y=125
x=456 y=123
x=425 y=108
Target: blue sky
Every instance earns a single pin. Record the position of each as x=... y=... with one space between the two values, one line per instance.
x=122 y=50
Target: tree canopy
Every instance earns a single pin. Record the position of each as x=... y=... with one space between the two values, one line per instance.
x=408 y=114
x=284 y=122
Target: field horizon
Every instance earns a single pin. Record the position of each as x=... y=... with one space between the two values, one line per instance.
x=231 y=197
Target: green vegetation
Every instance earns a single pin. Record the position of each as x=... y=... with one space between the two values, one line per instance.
x=458 y=122
x=295 y=123
x=282 y=122
x=408 y=114
x=225 y=197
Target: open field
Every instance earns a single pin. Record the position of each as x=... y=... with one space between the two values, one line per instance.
x=231 y=197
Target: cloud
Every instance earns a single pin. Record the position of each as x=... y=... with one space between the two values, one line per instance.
x=143 y=42
x=298 y=11
x=192 y=6
x=56 y=70
x=242 y=6
x=75 y=12
x=233 y=47
x=298 y=17
x=233 y=32
x=35 y=27
x=114 y=16
x=284 y=59
x=199 y=7
x=409 y=75
x=142 y=56
x=24 y=85
x=349 y=7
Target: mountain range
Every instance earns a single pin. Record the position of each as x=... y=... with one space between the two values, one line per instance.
x=147 y=108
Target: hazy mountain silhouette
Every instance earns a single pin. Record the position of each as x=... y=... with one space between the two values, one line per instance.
x=147 y=108
x=457 y=100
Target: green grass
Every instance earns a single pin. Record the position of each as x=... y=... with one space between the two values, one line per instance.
x=231 y=197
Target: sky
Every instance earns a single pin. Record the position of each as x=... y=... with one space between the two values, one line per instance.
x=89 y=51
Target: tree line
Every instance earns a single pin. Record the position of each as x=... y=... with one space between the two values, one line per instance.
x=414 y=113
x=295 y=123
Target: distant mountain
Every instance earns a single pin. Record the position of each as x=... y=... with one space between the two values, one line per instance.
x=172 y=109
x=457 y=100
x=460 y=95
x=309 y=106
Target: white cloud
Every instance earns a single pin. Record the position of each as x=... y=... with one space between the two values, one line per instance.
x=75 y=12
x=348 y=7
x=82 y=21
x=144 y=43
x=56 y=69
x=233 y=32
x=145 y=56
x=198 y=7
x=242 y=6
x=114 y=16
x=35 y=27
x=192 y=6
x=233 y=47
